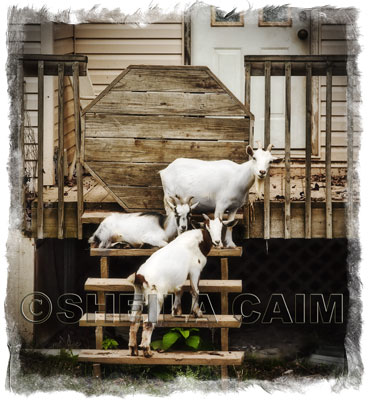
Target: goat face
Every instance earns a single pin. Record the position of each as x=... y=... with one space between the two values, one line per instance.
x=182 y=210
x=216 y=228
x=261 y=160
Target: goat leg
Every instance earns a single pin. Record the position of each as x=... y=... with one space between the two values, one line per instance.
x=146 y=339
x=194 y=291
x=176 y=310
x=133 y=347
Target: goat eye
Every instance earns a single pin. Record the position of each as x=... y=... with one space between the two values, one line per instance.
x=254 y=159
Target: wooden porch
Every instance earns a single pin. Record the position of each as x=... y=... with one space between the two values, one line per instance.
x=303 y=198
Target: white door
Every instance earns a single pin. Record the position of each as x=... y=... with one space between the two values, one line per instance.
x=222 y=49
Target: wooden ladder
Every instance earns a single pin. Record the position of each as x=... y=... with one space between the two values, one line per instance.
x=105 y=284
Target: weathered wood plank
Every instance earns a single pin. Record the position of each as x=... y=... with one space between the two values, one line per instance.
x=128 y=174
x=225 y=252
x=123 y=285
x=170 y=358
x=351 y=230
x=78 y=149
x=308 y=152
x=40 y=149
x=328 y=154
x=140 y=198
x=164 y=320
x=169 y=80
x=267 y=138
x=287 y=220
x=166 y=103
x=169 y=127
x=60 y=159
x=164 y=151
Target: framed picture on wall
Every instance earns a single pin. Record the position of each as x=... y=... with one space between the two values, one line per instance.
x=275 y=16
x=224 y=18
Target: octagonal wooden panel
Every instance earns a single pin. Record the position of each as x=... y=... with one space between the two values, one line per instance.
x=151 y=115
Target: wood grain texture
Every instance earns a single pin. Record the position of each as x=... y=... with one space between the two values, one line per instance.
x=169 y=80
x=160 y=151
x=166 y=103
x=170 y=358
x=287 y=221
x=123 y=285
x=165 y=320
x=60 y=159
x=168 y=127
x=40 y=134
x=225 y=252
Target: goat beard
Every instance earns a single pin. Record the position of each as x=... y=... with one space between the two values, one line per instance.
x=259 y=186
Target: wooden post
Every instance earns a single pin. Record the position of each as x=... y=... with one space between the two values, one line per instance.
x=267 y=139
x=328 y=153
x=20 y=75
x=350 y=150
x=308 y=154
x=287 y=224
x=78 y=166
x=40 y=150
x=247 y=84
x=60 y=161
x=224 y=311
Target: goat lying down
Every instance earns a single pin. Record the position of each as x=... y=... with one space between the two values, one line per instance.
x=138 y=229
x=219 y=186
x=166 y=272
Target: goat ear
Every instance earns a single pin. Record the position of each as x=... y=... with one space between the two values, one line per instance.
x=231 y=224
x=171 y=202
x=196 y=224
x=193 y=206
x=249 y=151
x=206 y=217
x=269 y=147
x=277 y=160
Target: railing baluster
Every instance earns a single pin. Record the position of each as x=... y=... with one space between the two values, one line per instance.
x=287 y=233
x=40 y=150
x=60 y=161
x=350 y=150
x=267 y=122
x=308 y=154
x=77 y=149
x=328 y=153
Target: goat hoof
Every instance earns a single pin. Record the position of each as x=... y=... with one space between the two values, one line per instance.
x=177 y=312
x=133 y=350
x=198 y=314
x=231 y=245
x=147 y=352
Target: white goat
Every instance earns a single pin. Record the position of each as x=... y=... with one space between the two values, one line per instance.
x=137 y=229
x=218 y=186
x=166 y=272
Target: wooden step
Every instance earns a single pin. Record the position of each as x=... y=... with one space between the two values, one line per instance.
x=169 y=358
x=236 y=252
x=123 y=285
x=165 y=320
x=96 y=217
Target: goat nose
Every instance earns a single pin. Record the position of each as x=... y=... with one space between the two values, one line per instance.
x=183 y=228
x=217 y=242
x=262 y=172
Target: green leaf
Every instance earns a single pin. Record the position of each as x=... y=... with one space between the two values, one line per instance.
x=169 y=339
x=193 y=341
x=194 y=329
x=185 y=333
x=156 y=344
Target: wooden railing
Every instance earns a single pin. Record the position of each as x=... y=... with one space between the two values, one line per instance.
x=40 y=65
x=308 y=66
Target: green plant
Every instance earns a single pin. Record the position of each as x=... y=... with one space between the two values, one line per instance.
x=178 y=336
x=108 y=343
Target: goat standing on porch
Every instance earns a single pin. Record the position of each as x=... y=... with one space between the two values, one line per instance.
x=219 y=186
x=137 y=229
x=166 y=272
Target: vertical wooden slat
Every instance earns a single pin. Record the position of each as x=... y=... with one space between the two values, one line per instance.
x=308 y=154
x=350 y=150
x=328 y=153
x=224 y=311
x=287 y=224
x=40 y=150
x=78 y=165
x=247 y=98
x=60 y=161
x=267 y=133
x=20 y=75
